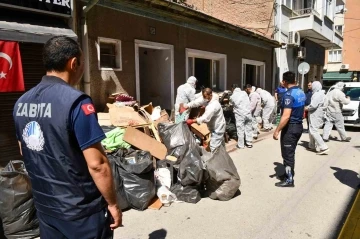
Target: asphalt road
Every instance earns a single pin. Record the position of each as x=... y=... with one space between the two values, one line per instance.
x=314 y=208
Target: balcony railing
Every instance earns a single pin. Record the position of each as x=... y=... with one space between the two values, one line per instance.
x=305 y=11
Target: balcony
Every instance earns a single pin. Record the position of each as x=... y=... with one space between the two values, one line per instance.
x=305 y=11
x=309 y=23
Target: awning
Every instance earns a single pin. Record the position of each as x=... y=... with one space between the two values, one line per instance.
x=25 y=32
x=338 y=76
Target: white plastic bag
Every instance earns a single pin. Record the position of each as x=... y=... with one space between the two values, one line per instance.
x=156 y=113
x=163 y=177
x=166 y=197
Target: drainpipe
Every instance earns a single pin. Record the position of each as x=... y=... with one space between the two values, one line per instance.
x=85 y=44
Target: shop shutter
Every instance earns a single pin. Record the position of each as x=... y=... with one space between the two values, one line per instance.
x=31 y=56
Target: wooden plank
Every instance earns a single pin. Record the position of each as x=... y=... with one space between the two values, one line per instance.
x=155 y=132
x=145 y=142
x=155 y=204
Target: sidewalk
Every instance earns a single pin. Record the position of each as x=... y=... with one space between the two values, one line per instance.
x=231 y=145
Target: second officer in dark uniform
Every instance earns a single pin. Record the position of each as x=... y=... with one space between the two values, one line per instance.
x=292 y=108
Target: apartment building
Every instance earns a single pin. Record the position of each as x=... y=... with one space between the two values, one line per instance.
x=343 y=64
x=305 y=28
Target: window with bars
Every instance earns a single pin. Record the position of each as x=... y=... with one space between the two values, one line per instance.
x=109 y=54
x=335 y=56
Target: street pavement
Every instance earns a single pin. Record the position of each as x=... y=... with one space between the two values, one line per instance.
x=314 y=208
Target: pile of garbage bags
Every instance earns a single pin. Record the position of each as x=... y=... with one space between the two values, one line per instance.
x=197 y=170
x=17 y=210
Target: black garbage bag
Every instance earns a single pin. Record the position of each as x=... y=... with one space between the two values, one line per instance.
x=136 y=171
x=181 y=143
x=231 y=130
x=224 y=180
x=118 y=182
x=17 y=210
x=177 y=139
x=188 y=194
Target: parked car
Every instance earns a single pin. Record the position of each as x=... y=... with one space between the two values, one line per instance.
x=351 y=112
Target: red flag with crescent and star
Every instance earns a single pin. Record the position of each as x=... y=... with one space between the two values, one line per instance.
x=11 y=73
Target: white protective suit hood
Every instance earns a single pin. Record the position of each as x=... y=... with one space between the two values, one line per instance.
x=316 y=86
x=192 y=81
x=340 y=85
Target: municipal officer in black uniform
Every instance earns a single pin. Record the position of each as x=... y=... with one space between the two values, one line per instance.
x=59 y=138
x=292 y=108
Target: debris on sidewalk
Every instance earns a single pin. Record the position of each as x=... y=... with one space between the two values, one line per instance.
x=179 y=170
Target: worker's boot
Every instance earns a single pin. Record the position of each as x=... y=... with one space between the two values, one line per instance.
x=288 y=181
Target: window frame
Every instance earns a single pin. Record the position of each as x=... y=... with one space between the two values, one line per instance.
x=331 y=56
x=118 y=50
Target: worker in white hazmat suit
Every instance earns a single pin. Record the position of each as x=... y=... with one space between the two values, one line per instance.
x=316 y=114
x=213 y=117
x=335 y=99
x=268 y=102
x=241 y=106
x=255 y=109
x=185 y=94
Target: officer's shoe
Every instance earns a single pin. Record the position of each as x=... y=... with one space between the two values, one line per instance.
x=285 y=183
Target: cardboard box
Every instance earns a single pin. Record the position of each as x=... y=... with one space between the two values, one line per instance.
x=201 y=130
x=122 y=116
x=145 y=142
x=104 y=119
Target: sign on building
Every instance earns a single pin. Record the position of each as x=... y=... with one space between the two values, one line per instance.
x=57 y=7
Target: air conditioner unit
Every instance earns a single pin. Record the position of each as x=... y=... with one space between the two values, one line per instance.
x=344 y=67
x=301 y=54
x=294 y=39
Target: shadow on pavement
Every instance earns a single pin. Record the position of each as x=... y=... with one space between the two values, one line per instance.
x=158 y=234
x=279 y=170
x=304 y=144
x=347 y=177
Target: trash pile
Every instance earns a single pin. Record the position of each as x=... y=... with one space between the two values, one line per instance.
x=156 y=162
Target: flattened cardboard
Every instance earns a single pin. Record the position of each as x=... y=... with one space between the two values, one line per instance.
x=145 y=142
x=122 y=116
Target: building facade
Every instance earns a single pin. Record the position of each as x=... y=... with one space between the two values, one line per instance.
x=343 y=64
x=305 y=28
x=148 y=49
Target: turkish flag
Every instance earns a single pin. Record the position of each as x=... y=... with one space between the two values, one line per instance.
x=11 y=73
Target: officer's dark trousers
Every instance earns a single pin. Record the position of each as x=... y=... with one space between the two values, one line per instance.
x=96 y=226
x=290 y=136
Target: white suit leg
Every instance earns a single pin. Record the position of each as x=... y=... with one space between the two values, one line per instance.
x=327 y=128
x=240 y=128
x=248 y=130
x=216 y=141
x=318 y=141
x=267 y=111
x=339 y=124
